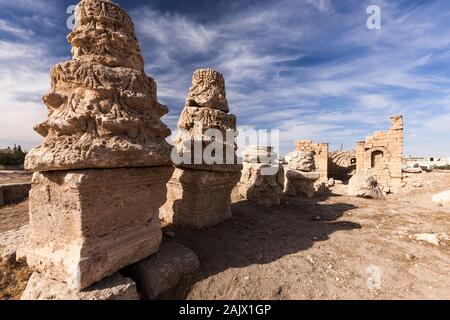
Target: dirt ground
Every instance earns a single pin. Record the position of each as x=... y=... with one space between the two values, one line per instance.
x=7 y=176
x=329 y=247
x=16 y=215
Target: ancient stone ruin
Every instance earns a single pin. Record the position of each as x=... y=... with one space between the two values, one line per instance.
x=300 y=174
x=262 y=178
x=101 y=172
x=380 y=156
x=199 y=192
x=342 y=165
x=320 y=154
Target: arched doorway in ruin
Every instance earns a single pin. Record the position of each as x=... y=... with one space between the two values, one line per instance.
x=342 y=165
x=377 y=159
x=379 y=168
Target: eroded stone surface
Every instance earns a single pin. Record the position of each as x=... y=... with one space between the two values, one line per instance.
x=10 y=242
x=259 y=154
x=198 y=198
x=301 y=177
x=164 y=270
x=87 y=224
x=300 y=183
x=208 y=90
x=199 y=193
x=442 y=199
x=115 y=287
x=320 y=154
x=101 y=172
x=103 y=110
x=301 y=160
x=364 y=187
x=261 y=182
x=206 y=109
x=342 y=164
x=266 y=190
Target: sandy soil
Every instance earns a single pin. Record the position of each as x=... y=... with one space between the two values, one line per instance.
x=13 y=216
x=7 y=176
x=329 y=247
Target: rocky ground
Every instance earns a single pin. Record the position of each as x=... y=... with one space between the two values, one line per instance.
x=329 y=247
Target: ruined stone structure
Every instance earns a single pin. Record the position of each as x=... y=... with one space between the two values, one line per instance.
x=300 y=176
x=364 y=187
x=199 y=192
x=320 y=152
x=380 y=156
x=101 y=172
x=262 y=178
x=342 y=165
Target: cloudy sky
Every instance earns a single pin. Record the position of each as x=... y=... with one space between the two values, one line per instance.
x=310 y=68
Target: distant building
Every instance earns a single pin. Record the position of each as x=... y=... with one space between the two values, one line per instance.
x=426 y=162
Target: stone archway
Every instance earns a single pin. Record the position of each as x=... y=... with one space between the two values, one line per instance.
x=378 y=163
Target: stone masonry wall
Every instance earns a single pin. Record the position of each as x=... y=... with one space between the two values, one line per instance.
x=380 y=156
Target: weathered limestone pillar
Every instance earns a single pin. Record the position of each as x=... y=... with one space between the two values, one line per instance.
x=396 y=150
x=262 y=180
x=199 y=192
x=360 y=157
x=300 y=175
x=101 y=172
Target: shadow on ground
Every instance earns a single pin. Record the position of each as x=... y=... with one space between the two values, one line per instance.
x=259 y=235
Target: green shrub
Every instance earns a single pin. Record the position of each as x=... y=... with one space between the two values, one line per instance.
x=12 y=157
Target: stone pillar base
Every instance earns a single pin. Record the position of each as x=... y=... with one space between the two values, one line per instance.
x=264 y=188
x=299 y=183
x=115 y=287
x=164 y=270
x=199 y=199
x=87 y=224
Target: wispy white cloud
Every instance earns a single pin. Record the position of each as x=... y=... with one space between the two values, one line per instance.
x=310 y=68
x=15 y=30
x=321 y=5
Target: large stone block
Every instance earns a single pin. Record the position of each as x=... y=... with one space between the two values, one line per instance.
x=442 y=199
x=364 y=187
x=263 y=188
x=85 y=225
x=199 y=199
x=164 y=270
x=300 y=183
x=115 y=287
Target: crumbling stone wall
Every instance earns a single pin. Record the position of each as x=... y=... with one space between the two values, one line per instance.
x=320 y=151
x=380 y=156
x=341 y=165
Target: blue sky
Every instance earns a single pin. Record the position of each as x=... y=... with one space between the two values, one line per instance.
x=309 y=68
